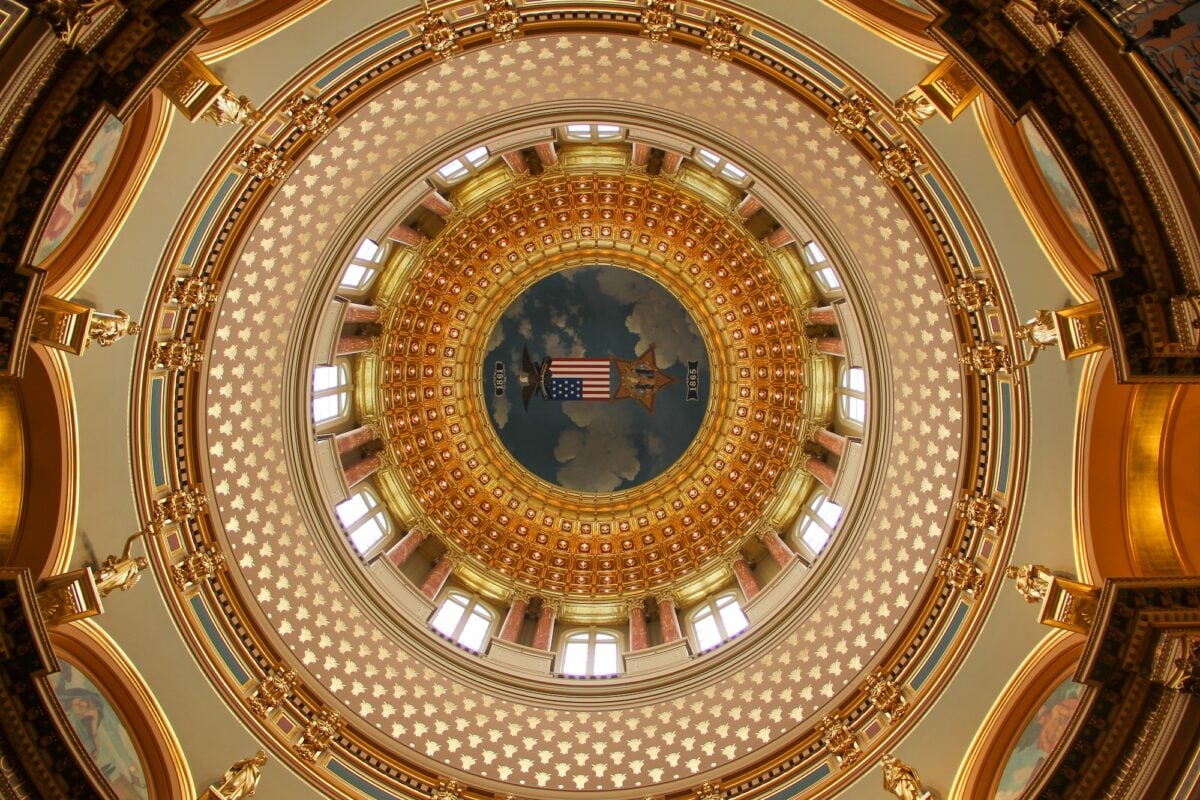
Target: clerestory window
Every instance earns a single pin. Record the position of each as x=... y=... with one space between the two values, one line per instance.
x=718 y=620
x=590 y=654
x=364 y=266
x=852 y=397
x=816 y=524
x=330 y=393
x=364 y=520
x=463 y=620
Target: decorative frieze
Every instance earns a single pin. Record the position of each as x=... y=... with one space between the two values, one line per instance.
x=309 y=115
x=722 y=35
x=262 y=162
x=198 y=567
x=852 y=114
x=502 y=19
x=961 y=573
x=191 y=292
x=980 y=511
x=886 y=696
x=317 y=735
x=438 y=35
x=271 y=691
x=177 y=507
x=839 y=739
x=658 y=19
x=899 y=162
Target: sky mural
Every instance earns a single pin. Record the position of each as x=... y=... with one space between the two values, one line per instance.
x=1037 y=740
x=1060 y=185
x=81 y=188
x=637 y=418
x=101 y=731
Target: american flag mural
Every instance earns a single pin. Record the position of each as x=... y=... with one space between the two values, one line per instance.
x=579 y=379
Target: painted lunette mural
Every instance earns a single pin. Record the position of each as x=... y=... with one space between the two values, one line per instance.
x=100 y=729
x=81 y=188
x=1041 y=734
x=596 y=379
x=1060 y=186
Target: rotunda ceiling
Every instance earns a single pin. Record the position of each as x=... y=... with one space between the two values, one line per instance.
x=273 y=230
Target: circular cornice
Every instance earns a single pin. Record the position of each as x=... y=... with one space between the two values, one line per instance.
x=752 y=726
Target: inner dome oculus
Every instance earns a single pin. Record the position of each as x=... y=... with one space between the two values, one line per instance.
x=596 y=379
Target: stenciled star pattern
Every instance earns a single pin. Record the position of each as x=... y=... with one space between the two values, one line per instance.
x=772 y=699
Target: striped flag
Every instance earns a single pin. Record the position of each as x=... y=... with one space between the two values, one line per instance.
x=579 y=379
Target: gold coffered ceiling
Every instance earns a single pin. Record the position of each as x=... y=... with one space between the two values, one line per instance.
x=519 y=528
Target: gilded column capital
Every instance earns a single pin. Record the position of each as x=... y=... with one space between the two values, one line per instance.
x=664 y=597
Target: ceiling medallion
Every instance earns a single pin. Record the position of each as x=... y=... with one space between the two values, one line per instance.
x=559 y=412
x=682 y=481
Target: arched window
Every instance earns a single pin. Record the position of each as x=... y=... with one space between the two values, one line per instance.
x=590 y=654
x=364 y=266
x=591 y=132
x=722 y=167
x=463 y=620
x=330 y=393
x=815 y=527
x=820 y=268
x=466 y=164
x=718 y=620
x=852 y=396
x=364 y=520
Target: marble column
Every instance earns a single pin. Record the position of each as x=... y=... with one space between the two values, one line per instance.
x=775 y=545
x=668 y=620
x=435 y=202
x=830 y=345
x=780 y=237
x=640 y=155
x=746 y=578
x=516 y=162
x=404 y=548
x=821 y=471
x=437 y=576
x=822 y=315
x=671 y=163
x=349 y=344
x=403 y=234
x=546 y=153
x=359 y=471
x=749 y=206
x=639 y=637
x=358 y=312
x=510 y=631
x=543 y=637
x=351 y=439
x=833 y=442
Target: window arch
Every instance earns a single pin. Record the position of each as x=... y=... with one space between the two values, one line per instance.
x=590 y=653
x=820 y=268
x=463 y=620
x=852 y=397
x=330 y=392
x=469 y=163
x=722 y=167
x=815 y=527
x=364 y=520
x=718 y=620
x=591 y=132
x=363 y=266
